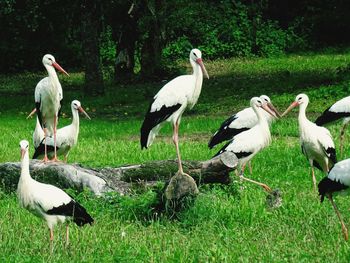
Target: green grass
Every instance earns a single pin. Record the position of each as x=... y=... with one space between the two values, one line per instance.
x=226 y=223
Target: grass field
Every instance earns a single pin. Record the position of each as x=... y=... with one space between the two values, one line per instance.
x=226 y=223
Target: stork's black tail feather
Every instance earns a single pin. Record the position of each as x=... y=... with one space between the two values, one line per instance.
x=152 y=119
x=330 y=116
x=224 y=134
x=75 y=210
x=328 y=186
x=40 y=150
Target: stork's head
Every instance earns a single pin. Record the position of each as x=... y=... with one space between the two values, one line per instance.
x=267 y=100
x=301 y=99
x=196 y=56
x=24 y=146
x=76 y=105
x=257 y=102
x=49 y=60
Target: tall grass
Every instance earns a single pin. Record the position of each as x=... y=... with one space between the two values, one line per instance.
x=226 y=223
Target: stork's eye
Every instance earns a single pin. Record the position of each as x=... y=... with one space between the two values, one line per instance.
x=195 y=55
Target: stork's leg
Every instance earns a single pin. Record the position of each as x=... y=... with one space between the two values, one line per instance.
x=266 y=187
x=342 y=137
x=45 y=147
x=314 y=178
x=343 y=227
x=176 y=142
x=67 y=235
x=51 y=240
x=250 y=167
x=55 y=159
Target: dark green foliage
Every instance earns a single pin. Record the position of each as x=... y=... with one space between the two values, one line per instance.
x=146 y=35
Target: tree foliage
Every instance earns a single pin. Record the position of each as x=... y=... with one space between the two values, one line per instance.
x=140 y=35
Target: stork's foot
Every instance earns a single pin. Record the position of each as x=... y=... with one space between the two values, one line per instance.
x=45 y=159
x=55 y=159
x=180 y=185
x=266 y=188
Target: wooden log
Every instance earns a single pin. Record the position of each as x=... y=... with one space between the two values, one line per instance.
x=118 y=179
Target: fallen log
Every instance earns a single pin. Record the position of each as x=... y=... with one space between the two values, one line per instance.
x=119 y=179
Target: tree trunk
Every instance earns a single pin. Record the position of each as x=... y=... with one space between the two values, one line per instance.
x=151 y=51
x=90 y=31
x=126 y=43
x=120 y=179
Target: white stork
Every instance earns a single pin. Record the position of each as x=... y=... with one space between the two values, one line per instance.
x=316 y=142
x=337 y=181
x=67 y=137
x=48 y=96
x=339 y=110
x=239 y=122
x=171 y=101
x=247 y=144
x=47 y=201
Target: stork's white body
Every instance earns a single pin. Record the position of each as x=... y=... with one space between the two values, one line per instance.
x=49 y=94
x=38 y=198
x=341 y=172
x=251 y=141
x=183 y=90
x=239 y=122
x=67 y=137
x=315 y=140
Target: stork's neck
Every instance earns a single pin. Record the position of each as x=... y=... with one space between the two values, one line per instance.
x=53 y=76
x=302 y=115
x=261 y=117
x=75 y=121
x=25 y=167
x=198 y=76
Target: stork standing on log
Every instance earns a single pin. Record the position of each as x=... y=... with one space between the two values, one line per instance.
x=337 y=181
x=67 y=137
x=247 y=144
x=171 y=101
x=48 y=96
x=47 y=201
x=316 y=142
x=339 y=110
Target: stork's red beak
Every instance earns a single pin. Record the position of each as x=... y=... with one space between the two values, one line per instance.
x=59 y=68
x=270 y=105
x=23 y=151
x=293 y=105
x=267 y=109
x=32 y=113
x=83 y=111
x=200 y=63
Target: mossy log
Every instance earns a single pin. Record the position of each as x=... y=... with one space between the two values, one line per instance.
x=119 y=179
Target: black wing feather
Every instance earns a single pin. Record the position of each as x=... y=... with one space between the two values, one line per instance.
x=238 y=154
x=152 y=119
x=38 y=112
x=225 y=133
x=40 y=150
x=328 y=186
x=330 y=116
x=75 y=210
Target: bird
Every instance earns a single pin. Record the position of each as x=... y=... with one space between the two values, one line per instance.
x=171 y=101
x=247 y=144
x=316 y=141
x=48 y=96
x=47 y=201
x=336 y=182
x=67 y=137
x=339 y=110
x=239 y=122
